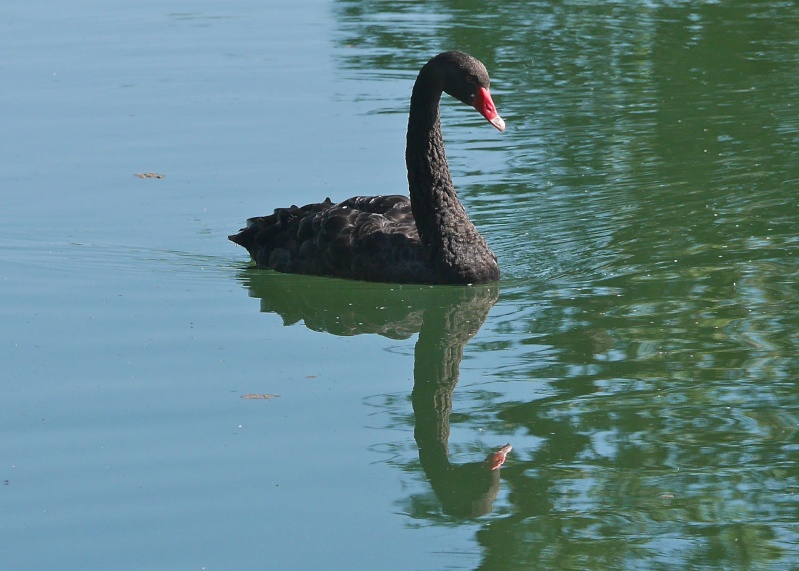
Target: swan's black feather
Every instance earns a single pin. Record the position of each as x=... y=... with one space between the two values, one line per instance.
x=370 y=238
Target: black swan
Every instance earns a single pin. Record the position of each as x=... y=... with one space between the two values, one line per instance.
x=428 y=239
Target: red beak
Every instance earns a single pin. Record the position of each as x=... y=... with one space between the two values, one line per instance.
x=485 y=105
x=497 y=459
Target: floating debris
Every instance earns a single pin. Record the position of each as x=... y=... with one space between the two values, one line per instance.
x=149 y=175
x=261 y=396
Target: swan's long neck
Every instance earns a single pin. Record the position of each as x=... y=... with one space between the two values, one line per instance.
x=434 y=201
x=457 y=250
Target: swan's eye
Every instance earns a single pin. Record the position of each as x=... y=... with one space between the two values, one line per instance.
x=470 y=78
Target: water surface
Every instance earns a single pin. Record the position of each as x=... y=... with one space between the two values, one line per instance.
x=639 y=353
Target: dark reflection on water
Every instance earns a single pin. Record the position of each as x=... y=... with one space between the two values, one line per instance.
x=643 y=204
x=446 y=318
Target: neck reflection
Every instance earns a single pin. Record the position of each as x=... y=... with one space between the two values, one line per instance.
x=445 y=318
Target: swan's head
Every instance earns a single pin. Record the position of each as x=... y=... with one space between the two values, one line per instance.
x=466 y=79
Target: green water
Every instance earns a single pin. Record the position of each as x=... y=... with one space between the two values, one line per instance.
x=639 y=354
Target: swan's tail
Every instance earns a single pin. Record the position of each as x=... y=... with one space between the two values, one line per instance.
x=245 y=237
x=263 y=234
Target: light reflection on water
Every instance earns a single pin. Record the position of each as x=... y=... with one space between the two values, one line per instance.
x=647 y=238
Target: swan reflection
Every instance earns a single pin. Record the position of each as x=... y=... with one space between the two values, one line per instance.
x=445 y=318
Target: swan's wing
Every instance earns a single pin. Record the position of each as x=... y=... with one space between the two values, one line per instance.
x=391 y=206
x=372 y=238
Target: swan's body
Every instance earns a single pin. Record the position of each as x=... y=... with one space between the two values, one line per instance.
x=427 y=239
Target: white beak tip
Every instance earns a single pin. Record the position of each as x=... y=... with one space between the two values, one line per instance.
x=498 y=122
